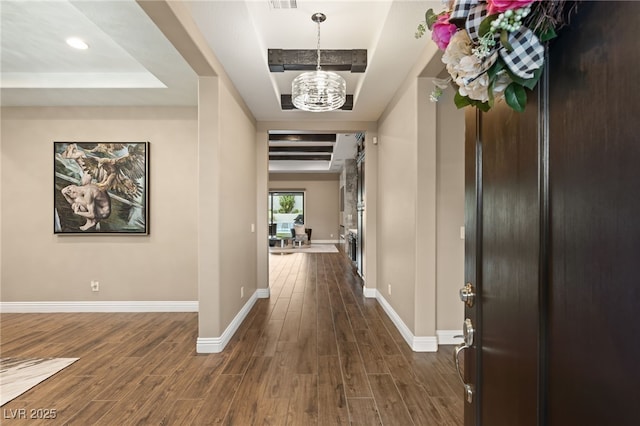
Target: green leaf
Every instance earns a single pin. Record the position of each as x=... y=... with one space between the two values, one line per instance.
x=548 y=34
x=531 y=83
x=516 y=97
x=485 y=25
x=431 y=18
x=515 y=78
x=495 y=69
x=491 y=101
x=461 y=101
x=504 y=40
x=482 y=106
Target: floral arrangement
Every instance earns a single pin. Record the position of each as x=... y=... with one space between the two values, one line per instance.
x=493 y=49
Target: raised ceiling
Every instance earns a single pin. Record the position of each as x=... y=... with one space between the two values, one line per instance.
x=242 y=32
x=131 y=63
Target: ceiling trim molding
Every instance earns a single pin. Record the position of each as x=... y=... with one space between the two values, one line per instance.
x=280 y=60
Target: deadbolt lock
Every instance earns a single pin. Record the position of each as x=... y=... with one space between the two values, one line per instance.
x=468 y=295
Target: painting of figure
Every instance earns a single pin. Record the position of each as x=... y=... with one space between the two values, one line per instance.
x=100 y=188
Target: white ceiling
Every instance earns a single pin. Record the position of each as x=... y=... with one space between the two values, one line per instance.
x=240 y=32
x=130 y=62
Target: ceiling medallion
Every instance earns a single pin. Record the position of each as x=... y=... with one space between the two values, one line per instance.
x=318 y=91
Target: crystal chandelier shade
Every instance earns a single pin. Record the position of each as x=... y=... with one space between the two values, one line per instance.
x=318 y=91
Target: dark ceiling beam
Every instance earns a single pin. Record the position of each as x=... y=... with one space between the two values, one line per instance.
x=300 y=157
x=302 y=137
x=301 y=149
x=281 y=60
x=287 y=104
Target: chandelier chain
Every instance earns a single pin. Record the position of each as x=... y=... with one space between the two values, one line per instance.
x=318 y=47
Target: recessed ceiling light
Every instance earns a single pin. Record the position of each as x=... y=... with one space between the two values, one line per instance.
x=77 y=43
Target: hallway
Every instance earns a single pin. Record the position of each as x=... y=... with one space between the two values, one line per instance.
x=316 y=352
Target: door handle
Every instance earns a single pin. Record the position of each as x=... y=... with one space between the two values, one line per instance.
x=468 y=294
x=468 y=330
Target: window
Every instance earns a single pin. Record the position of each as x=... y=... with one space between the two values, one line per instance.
x=285 y=209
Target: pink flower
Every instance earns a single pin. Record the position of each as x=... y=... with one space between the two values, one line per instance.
x=497 y=6
x=442 y=31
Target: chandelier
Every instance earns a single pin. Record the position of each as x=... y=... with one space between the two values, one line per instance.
x=318 y=90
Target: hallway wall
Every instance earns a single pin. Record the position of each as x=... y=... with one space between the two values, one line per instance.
x=450 y=212
x=420 y=211
x=397 y=204
x=40 y=266
x=237 y=207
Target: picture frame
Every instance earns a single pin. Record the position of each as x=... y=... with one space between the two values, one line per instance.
x=101 y=188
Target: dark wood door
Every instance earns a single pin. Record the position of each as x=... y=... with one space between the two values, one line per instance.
x=553 y=236
x=502 y=263
x=594 y=186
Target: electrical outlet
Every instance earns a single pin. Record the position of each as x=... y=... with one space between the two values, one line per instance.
x=331 y=235
x=95 y=286
x=389 y=291
x=241 y=292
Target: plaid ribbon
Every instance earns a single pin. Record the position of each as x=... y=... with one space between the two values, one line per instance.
x=461 y=10
x=474 y=18
x=527 y=54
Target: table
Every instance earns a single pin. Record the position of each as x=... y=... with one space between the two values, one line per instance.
x=284 y=242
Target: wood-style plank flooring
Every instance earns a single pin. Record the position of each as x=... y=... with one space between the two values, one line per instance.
x=315 y=353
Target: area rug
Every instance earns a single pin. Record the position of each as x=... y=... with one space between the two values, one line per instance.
x=311 y=248
x=18 y=375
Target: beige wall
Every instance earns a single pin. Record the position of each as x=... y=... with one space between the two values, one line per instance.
x=209 y=177
x=426 y=251
x=396 y=207
x=238 y=194
x=40 y=266
x=322 y=201
x=420 y=208
x=227 y=207
x=450 y=212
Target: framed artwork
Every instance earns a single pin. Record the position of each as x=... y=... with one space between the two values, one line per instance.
x=101 y=188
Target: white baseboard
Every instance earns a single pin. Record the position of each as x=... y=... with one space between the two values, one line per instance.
x=416 y=343
x=99 y=306
x=214 y=345
x=325 y=241
x=447 y=337
x=263 y=293
x=369 y=292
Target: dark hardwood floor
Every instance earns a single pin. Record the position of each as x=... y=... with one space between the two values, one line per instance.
x=317 y=352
